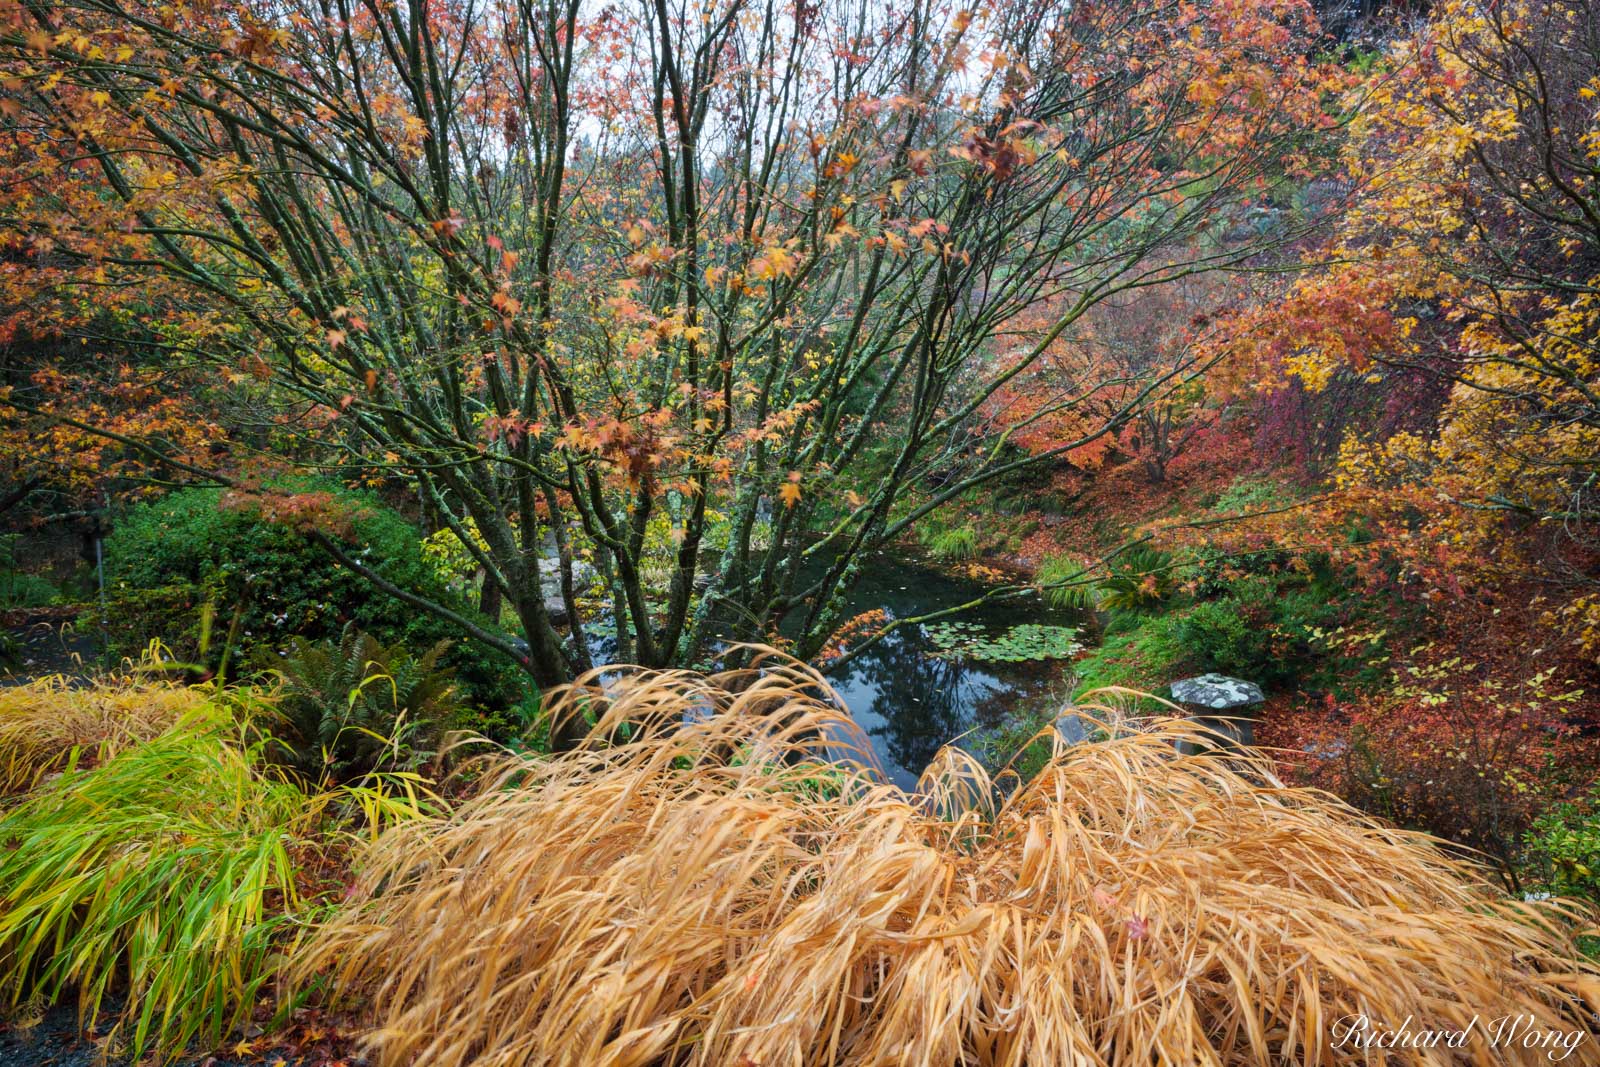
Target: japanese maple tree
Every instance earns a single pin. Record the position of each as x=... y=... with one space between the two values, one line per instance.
x=576 y=271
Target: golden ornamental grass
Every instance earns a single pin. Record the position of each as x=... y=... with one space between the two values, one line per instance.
x=43 y=723
x=709 y=894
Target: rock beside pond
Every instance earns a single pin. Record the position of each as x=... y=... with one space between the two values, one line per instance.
x=1072 y=729
x=1216 y=691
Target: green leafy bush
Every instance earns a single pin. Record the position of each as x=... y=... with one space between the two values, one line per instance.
x=26 y=591
x=1252 y=493
x=1064 y=583
x=1217 y=634
x=355 y=706
x=1269 y=629
x=168 y=559
x=1563 y=849
x=181 y=616
x=1261 y=631
x=1145 y=657
x=288 y=585
x=1141 y=579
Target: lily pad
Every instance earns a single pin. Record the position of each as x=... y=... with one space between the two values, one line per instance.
x=1024 y=643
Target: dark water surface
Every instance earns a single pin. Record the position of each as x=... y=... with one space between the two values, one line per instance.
x=909 y=696
x=911 y=701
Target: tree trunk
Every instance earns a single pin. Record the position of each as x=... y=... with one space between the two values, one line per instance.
x=490 y=599
x=546 y=663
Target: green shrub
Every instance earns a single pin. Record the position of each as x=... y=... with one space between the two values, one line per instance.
x=26 y=591
x=1145 y=658
x=168 y=559
x=1258 y=630
x=1216 y=634
x=519 y=727
x=1262 y=631
x=1251 y=493
x=19 y=590
x=176 y=615
x=1064 y=583
x=289 y=586
x=354 y=707
x=1141 y=579
x=1563 y=849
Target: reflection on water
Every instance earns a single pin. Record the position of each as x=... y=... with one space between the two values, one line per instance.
x=910 y=701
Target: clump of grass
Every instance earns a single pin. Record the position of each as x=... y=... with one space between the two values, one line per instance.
x=668 y=894
x=162 y=878
x=956 y=543
x=51 y=723
x=1066 y=583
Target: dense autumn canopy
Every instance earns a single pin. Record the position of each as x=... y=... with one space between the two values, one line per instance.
x=650 y=271
x=669 y=316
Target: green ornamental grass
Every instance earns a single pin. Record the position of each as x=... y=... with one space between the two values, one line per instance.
x=162 y=878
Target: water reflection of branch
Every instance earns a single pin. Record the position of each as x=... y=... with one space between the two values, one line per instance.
x=919 y=698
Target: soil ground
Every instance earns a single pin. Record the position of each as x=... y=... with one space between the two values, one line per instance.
x=55 y=1041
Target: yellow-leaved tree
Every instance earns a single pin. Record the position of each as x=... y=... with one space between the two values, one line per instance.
x=1471 y=260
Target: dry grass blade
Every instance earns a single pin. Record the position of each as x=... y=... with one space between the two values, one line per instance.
x=699 y=890
x=45 y=723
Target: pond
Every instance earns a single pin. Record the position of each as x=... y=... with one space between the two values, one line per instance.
x=911 y=696
x=909 y=692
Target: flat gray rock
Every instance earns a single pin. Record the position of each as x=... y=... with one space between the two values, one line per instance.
x=1216 y=691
